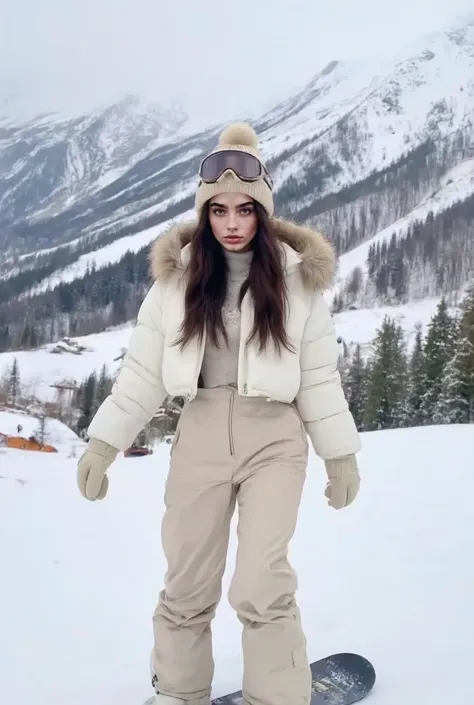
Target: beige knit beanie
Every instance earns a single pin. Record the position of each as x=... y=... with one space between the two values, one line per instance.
x=240 y=136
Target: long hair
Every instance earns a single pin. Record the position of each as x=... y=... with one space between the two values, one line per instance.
x=207 y=284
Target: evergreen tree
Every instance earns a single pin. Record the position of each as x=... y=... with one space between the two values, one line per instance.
x=14 y=382
x=356 y=388
x=343 y=364
x=416 y=387
x=465 y=350
x=437 y=352
x=103 y=388
x=452 y=405
x=386 y=379
x=88 y=407
x=40 y=433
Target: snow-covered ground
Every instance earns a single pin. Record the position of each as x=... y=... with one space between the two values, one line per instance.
x=390 y=577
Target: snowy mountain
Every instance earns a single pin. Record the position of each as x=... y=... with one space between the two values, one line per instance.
x=380 y=156
x=396 y=583
x=49 y=163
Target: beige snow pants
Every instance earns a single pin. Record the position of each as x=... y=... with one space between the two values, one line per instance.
x=230 y=449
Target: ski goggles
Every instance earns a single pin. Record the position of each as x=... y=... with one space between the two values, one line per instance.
x=244 y=165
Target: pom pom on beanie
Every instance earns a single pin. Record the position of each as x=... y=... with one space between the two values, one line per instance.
x=238 y=133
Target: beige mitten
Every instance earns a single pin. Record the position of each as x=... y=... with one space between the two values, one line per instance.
x=92 y=467
x=344 y=481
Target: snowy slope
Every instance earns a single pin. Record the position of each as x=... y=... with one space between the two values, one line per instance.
x=393 y=104
x=455 y=186
x=389 y=577
x=106 y=255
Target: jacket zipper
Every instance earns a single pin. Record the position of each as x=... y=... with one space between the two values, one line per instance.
x=231 y=430
x=242 y=371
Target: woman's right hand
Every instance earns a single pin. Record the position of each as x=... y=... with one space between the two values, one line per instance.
x=92 y=467
x=344 y=481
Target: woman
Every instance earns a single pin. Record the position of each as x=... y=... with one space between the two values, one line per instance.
x=235 y=322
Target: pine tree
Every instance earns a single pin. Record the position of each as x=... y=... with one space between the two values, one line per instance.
x=452 y=405
x=416 y=386
x=40 y=433
x=14 y=385
x=88 y=402
x=465 y=351
x=103 y=388
x=386 y=381
x=437 y=352
x=337 y=303
x=356 y=388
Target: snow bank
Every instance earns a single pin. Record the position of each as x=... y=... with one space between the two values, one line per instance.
x=390 y=577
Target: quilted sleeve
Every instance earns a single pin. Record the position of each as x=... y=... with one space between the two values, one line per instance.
x=321 y=402
x=138 y=391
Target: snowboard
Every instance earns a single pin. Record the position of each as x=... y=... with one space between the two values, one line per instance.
x=338 y=679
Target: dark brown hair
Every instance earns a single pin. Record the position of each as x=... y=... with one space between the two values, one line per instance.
x=207 y=282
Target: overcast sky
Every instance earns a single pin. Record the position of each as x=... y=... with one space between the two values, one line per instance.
x=218 y=57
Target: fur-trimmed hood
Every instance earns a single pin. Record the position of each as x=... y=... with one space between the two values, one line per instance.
x=305 y=247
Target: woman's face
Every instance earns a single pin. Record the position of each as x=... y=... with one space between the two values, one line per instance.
x=233 y=220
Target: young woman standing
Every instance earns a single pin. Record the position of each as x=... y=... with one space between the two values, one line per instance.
x=235 y=322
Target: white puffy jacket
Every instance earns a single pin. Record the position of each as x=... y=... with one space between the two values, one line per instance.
x=154 y=368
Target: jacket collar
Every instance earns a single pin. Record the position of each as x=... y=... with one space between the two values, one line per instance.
x=304 y=248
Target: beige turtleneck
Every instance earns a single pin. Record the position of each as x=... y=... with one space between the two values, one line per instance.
x=220 y=365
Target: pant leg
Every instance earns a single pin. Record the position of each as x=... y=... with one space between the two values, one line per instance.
x=273 y=470
x=200 y=501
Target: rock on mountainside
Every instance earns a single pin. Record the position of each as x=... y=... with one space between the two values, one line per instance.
x=379 y=156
